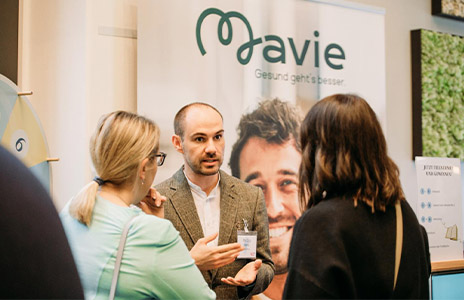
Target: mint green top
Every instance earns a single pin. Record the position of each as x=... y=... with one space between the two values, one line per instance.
x=156 y=262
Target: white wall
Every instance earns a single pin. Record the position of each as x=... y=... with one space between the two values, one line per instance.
x=401 y=17
x=77 y=73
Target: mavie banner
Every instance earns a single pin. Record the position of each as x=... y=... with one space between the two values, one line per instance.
x=236 y=54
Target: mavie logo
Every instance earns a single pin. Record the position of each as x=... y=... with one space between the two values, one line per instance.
x=333 y=53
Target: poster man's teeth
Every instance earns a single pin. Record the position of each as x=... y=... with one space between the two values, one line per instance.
x=276 y=232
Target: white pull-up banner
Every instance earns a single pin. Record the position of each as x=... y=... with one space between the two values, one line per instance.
x=439 y=207
x=232 y=54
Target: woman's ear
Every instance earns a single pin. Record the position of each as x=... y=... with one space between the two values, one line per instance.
x=143 y=168
x=177 y=143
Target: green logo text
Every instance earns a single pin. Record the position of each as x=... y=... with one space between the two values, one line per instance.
x=275 y=49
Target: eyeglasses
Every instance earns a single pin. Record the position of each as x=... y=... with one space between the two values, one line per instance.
x=162 y=157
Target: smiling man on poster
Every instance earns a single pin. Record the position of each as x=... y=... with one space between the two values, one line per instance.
x=267 y=154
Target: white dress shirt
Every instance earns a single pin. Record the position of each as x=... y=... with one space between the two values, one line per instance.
x=208 y=209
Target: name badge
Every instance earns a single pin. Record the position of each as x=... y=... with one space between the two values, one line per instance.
x=248 y=239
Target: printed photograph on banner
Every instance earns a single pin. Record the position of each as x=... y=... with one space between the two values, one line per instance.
x=257 y=59
x=267 y=154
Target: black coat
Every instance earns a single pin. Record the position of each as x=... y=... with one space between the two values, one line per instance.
x=342 y=251
x=35 y=257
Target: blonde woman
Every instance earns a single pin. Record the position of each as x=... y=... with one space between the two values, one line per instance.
x=156 y=262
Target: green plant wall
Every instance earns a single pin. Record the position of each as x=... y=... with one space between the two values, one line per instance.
x=442 y=77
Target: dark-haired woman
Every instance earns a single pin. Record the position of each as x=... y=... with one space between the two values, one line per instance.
x=358 y=236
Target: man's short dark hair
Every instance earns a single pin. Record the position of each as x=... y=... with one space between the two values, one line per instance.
x=274 y=120
x=179 y=127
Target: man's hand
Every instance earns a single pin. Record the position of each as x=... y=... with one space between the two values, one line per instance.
x=152 y=204
x=246 y=276
x=208 y=258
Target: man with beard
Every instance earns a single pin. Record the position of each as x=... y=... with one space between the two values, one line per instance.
x=207 y=206
x=267 y=154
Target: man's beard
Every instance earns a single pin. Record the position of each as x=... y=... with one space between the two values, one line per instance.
x=280 y=241
x=280 y=258
x=197 y=168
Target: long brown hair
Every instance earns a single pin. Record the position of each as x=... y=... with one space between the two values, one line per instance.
x=344 y=153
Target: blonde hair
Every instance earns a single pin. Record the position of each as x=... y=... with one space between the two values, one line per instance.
x=117 y=147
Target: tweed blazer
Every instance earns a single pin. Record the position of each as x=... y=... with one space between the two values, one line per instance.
x=239 y=200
